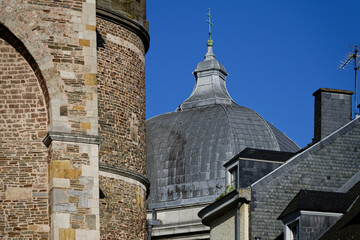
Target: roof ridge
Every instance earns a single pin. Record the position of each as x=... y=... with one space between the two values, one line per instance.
x=317 y=146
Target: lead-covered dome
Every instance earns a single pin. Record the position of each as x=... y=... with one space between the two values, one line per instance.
x=186 y=149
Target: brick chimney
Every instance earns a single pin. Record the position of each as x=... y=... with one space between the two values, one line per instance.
x=332 y=111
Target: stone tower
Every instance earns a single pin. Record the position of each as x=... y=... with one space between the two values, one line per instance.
x=122 y=43
x=72 y=116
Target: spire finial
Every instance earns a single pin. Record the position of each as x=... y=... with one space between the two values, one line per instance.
x=209 y=42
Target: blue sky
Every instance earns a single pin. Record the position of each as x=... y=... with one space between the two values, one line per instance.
x=277 y=53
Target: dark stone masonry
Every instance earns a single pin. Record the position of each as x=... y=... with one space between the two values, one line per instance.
x=72 y=119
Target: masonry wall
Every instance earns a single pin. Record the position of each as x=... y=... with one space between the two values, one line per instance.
x=121 y=101
x=74 y=191
x=121 y=97
x=122 y=211
x=224 y=227
x=61 y=38
x=58 y=41
x=324 y=167
x=23 y=158
x=332 y=110
x=56 y=165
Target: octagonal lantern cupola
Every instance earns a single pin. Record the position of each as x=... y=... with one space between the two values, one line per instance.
x=210 y=86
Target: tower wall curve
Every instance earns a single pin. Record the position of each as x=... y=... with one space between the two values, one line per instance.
x=121 y=46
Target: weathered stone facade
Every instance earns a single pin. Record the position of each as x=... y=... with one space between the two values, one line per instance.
x=122 y=211
x=23 y=158
x=121 y=94
x=52 y=105
x=121 y=99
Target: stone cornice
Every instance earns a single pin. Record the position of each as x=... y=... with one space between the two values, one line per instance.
x=225 y=204
x=70 y=137
x=330 y=90
x=126 y=22
x=127 y=173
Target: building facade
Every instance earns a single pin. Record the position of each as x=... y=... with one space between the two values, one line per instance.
x=72 y=119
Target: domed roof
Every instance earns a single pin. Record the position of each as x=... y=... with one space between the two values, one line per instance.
x=186 y=149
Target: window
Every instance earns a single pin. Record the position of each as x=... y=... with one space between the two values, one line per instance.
x=292 y=231
x=233 y=177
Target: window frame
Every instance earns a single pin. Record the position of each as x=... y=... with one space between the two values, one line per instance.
x=289 y=234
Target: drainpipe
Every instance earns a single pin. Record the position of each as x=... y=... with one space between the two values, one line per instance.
x=237 y=222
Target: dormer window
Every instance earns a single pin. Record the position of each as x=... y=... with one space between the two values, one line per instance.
x=232 y=176
x=312 y=212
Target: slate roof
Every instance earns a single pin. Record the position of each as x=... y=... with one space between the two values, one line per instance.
x=334 y=160
x=186 y=149
x=319 y=201
x=284 y=143
x=348 y=226
x=306 y=152
x=261 y=154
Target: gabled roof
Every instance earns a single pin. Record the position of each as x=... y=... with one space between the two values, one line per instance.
x=306 y=153
x=319 y=201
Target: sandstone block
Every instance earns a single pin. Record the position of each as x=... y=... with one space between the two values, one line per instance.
x=84 y=42
x=66 y=234
x=85 y=125
x=90 y=27
x=89 y=76
x=16 y=193
x=39 y=228
x=66 y=173
x=90 y=79
x=61 y=169
x=78 y=108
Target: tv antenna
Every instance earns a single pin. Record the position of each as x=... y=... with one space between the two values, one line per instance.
x=352 y=56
